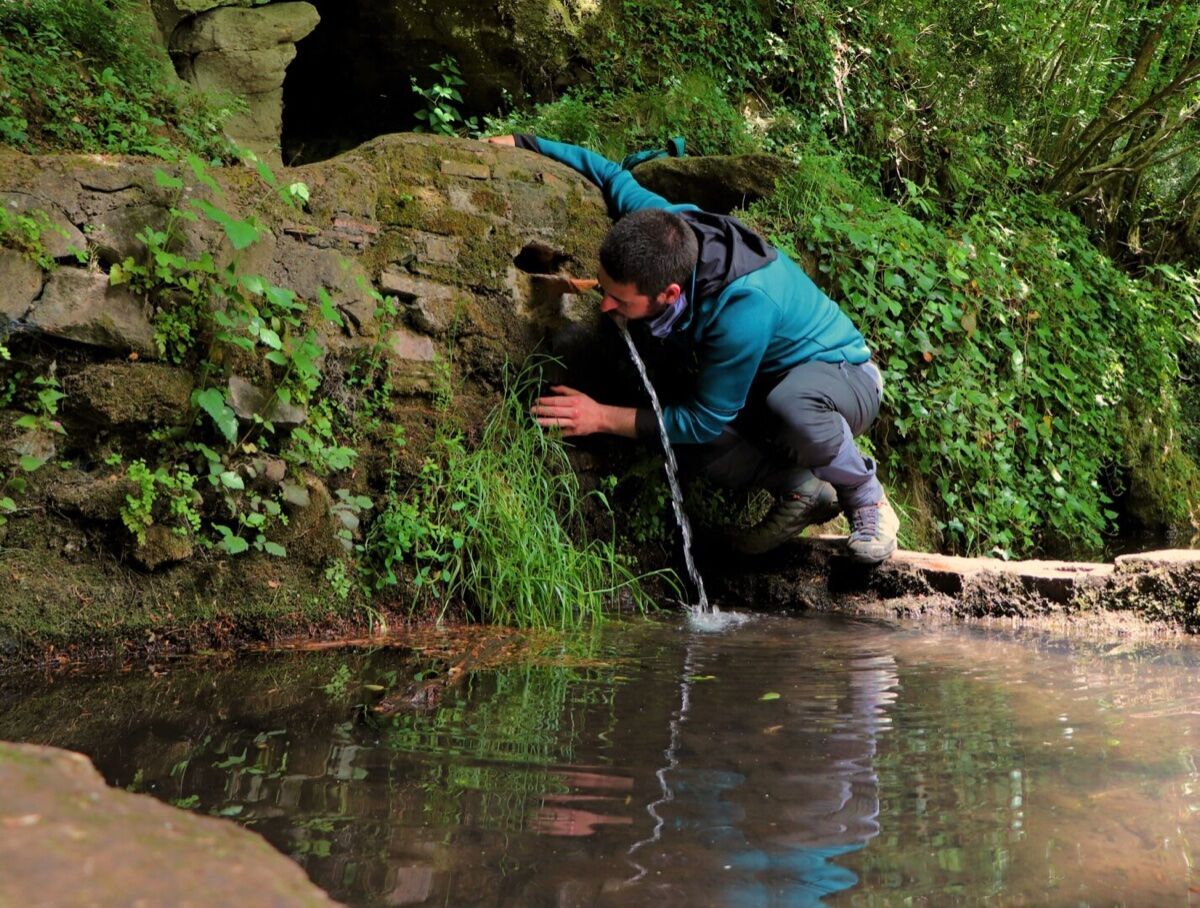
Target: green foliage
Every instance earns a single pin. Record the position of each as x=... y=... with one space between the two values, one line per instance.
x=43 y=407
x=225 y=306
x=204 y=314
x=40 y=416
x=85 y=75
x=442 y=111
x=315 y=444
x=614 y=123
x=1014 y=353
x=26 y=232
x=496 y=527
x=338 y=684
x=173 y=490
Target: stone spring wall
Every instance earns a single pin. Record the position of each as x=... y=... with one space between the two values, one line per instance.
x=436 y=223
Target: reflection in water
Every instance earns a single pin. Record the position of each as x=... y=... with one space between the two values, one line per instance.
x=829 y=796
x=784 y=763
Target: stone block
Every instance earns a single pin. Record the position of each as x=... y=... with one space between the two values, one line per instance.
x=248 y=401
x=162 y=546
x=245 y=72
x=124 y=394
x=115 y=232
x=78 y=304
x=470 y=170
x=93 y=497
x=411 y=359
x=432 y=306
x=20 y=284
x=409 y=347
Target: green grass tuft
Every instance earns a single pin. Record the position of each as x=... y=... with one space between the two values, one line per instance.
x=501 y=528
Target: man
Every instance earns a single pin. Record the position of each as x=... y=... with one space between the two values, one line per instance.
x=785 y=381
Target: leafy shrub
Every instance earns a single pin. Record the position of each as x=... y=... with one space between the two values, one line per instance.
x=85 y=75
x=1016 y=356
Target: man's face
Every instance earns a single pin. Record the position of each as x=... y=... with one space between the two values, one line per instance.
x=625 y=300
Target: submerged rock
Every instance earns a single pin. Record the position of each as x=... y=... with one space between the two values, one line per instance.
x=69 y=839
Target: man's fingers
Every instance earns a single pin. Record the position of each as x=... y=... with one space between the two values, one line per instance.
x=547 y=407
x=566 y=425
x=565 y=391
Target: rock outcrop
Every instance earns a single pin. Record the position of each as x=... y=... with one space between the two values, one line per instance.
x=70 y=839
x=245 y=52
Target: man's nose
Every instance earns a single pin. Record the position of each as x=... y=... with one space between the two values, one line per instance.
x=608 y=304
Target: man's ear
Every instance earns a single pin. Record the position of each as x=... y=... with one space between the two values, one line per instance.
x=670 y=295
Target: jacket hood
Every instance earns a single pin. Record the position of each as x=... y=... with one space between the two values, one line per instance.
x=728 y=250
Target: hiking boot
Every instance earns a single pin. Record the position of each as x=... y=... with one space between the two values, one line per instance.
x=813 y=501
x=873 y=531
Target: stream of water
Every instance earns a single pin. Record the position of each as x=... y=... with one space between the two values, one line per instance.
x=786 y=762
x=703 y=615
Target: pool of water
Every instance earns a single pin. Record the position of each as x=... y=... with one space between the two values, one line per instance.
x=783 y=762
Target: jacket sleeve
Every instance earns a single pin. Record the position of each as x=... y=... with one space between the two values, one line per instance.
x=730 y=353
x=621 y=191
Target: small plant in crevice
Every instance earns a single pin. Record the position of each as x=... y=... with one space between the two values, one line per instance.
x=27 y=231
x=41 y=416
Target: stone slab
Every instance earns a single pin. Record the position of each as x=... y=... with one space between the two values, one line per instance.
x=1164 y=558
x=20 y=284
x=78 y=304
x=68 y=839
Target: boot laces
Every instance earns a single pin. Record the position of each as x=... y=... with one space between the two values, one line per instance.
x=865 y=521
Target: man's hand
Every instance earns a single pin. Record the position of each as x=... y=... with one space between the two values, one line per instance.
x=577 y=414
x=502 y=140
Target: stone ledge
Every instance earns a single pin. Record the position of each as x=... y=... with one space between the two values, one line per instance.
x=1161 y=586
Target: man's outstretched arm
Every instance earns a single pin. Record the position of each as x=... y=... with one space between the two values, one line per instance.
x=621 y=191
x=577 y=414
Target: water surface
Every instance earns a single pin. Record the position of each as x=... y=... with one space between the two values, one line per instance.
x=785 y=762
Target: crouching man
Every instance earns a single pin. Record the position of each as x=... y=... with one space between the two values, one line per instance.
x=785 y=381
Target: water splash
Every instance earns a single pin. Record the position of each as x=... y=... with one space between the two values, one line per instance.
x=713 y=620
x=685 y=526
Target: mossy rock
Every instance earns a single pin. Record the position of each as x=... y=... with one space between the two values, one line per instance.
x=129 y=394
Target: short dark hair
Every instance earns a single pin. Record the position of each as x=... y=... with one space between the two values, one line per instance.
x=651 y=248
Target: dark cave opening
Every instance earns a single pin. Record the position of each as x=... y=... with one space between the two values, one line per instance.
x=352 y=77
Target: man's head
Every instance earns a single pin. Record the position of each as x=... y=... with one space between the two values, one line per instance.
x=645 y=262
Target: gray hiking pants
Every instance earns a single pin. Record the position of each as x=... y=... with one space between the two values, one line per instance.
x=806 y=421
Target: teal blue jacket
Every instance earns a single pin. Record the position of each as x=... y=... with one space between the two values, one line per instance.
x=765 y=322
